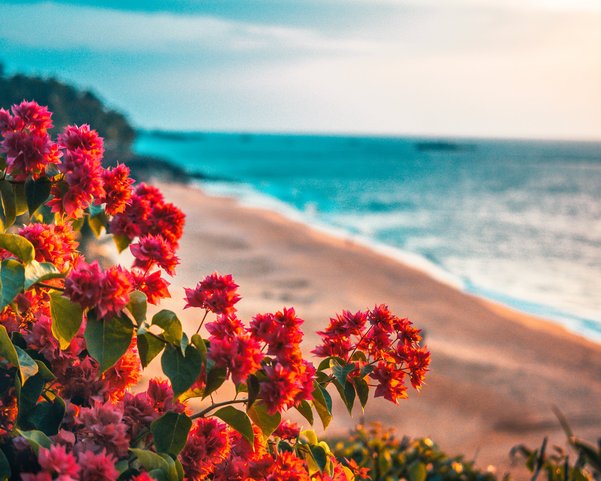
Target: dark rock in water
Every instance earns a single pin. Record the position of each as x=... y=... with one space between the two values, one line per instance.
x=442 y=146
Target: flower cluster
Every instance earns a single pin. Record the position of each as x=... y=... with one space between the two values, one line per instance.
x=75 y=335
x=28 y=147
x=381 y=346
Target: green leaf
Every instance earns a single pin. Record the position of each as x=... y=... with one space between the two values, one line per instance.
x=341 y=372
x=27 y=366
x=121 y=241
x=362 y=391
x=66 y=318
x=149 y=347
x=7 y=348
x=98 y=222
x=200 y=344
x=47 y=416
x=39 y=272
x=13 y=278
x=36 y=439
x=20 y=199
x=267 y=422
x=323 y=404
x=37 y=192
x=181 y=370
x=417 y=471
x=170 y=432
x=138 y=305
x=150 y=460
x=19 y=246
x=5 y=471
x=215 y=378
x=320 y=456
x=172 y=327
x=9 y=203
x=347 y=394
x=107 y=340
x=253 y=387
x=238 y=420
x=305 y=409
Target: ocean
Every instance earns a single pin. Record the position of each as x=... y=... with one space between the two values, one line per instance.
x=517 y=222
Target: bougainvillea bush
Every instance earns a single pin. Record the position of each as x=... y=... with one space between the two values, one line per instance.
x=75 y=336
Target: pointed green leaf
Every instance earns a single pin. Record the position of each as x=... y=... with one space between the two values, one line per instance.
x=170 y=432
x=181 y=370
x=47 y=416
x=37 y=192
x=138 y=305
x=215 y=378
x=27 y=366
x=347 y=394
x=150 y=460
x=149 y=347
x=107 y=340
x=341 y=372
x=237 y=420
x=171 y=325
x=9 y=203
x=13 y=278
x=20 y=198
x=19 y=246
x=36 y=439
x=97 y=223
x=319 y=456
x=305 y=409
x=267 y=422
x=66 y=318
x=7 y=348
x=322 y=402
x=121 y=241
x=200 y=344
x=39 y=272
x=362 y=391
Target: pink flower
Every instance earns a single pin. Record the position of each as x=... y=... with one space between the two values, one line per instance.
x=215 y=293
x=287 y=430
x=81 y=138
x=84 y=284
x=33 y=116
x=97 y=466
x=116 y=287
x=28 y=153
x=153 y=285
x=240 y=354
x=161 y=395
x=101 y=429
x=167 y=220
x=57 y=461
x=153 y=250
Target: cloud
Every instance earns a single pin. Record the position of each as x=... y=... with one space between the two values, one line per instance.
x=53 y=26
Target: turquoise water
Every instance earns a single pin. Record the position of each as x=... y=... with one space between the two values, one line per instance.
x=518 y=222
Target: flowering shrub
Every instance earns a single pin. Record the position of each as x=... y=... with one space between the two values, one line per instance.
x=74 y=337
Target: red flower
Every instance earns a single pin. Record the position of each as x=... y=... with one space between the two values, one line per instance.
x=28 y=153
x=52 y=243
x=287 y=430
x=117 y=187
x=240 y=354
x=215 y=293
x=288 y=467
x=153 y=250
x=124 y=374
x=153 y=285
x=116 y=287
x=97 y=466
x=161 y=394
x=207 y=446
x=391 y=382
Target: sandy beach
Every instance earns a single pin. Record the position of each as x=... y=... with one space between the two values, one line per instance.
x=495 y=373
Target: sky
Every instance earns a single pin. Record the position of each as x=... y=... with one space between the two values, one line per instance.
x=469 y=68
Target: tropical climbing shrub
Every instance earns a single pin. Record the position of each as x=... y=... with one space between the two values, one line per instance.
x=76 y=335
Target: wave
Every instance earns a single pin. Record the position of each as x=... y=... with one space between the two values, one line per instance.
x=358 y=231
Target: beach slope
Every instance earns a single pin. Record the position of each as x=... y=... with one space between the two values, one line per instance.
x=495 y=373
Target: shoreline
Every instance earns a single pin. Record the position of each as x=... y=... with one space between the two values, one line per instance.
x=495 y=373
x=253 y=199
